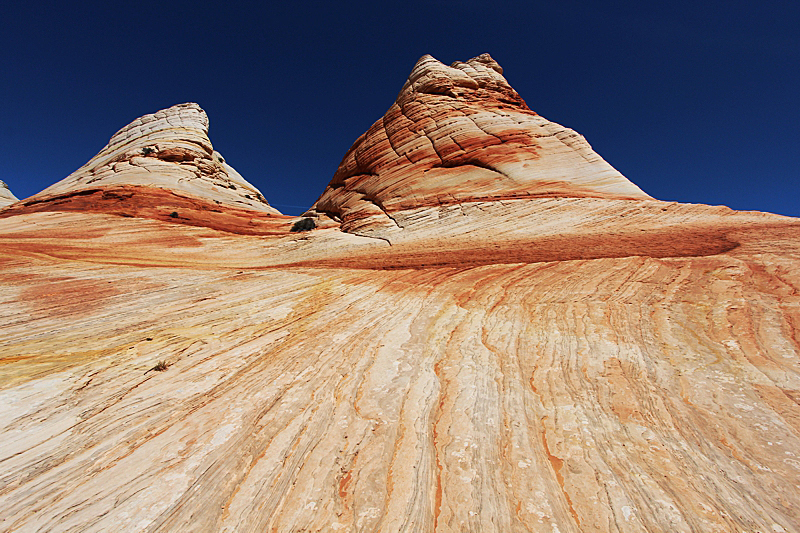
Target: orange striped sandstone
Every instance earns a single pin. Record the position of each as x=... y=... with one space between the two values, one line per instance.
x=559 y=362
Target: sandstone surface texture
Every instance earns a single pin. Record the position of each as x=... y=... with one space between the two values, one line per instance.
x=482 y=347
x=6 y=196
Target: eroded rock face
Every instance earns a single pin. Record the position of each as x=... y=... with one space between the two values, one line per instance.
x=461 y=133
x=6 y=196
x=161 y=166
x=541 y=363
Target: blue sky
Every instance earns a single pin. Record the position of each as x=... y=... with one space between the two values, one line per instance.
x=693 y=101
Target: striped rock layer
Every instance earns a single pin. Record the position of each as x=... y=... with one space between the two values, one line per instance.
x=600 y=362
x=461 y=133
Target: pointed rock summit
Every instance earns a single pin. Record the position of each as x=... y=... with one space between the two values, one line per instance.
x=6 y=196
x=169 y=149
x=162 y=166
x=461 y=133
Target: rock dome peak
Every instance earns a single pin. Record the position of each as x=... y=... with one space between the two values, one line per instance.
x=161 y=165
x=462 y=133
x=460 y=79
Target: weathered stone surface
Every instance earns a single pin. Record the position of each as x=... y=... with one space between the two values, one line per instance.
x=161 y=166
x=6 y=196
x=554 y=363
x=456 y=134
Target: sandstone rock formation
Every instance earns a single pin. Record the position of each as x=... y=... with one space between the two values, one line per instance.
x=6 y=196
x=461 y=133
x=162 y=166
x=580 y=358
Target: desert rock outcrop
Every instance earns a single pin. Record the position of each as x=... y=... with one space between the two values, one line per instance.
x=519 y=354
x=457 y=134
x=6 y=196
x=162 y=166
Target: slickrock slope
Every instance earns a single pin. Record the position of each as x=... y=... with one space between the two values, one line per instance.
x=6 y=196
x=161 y=166
x=597 y=361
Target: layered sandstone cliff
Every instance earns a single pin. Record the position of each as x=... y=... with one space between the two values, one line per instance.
x=485 y=346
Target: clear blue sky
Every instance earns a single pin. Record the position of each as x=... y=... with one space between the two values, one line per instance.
x=693 y=101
